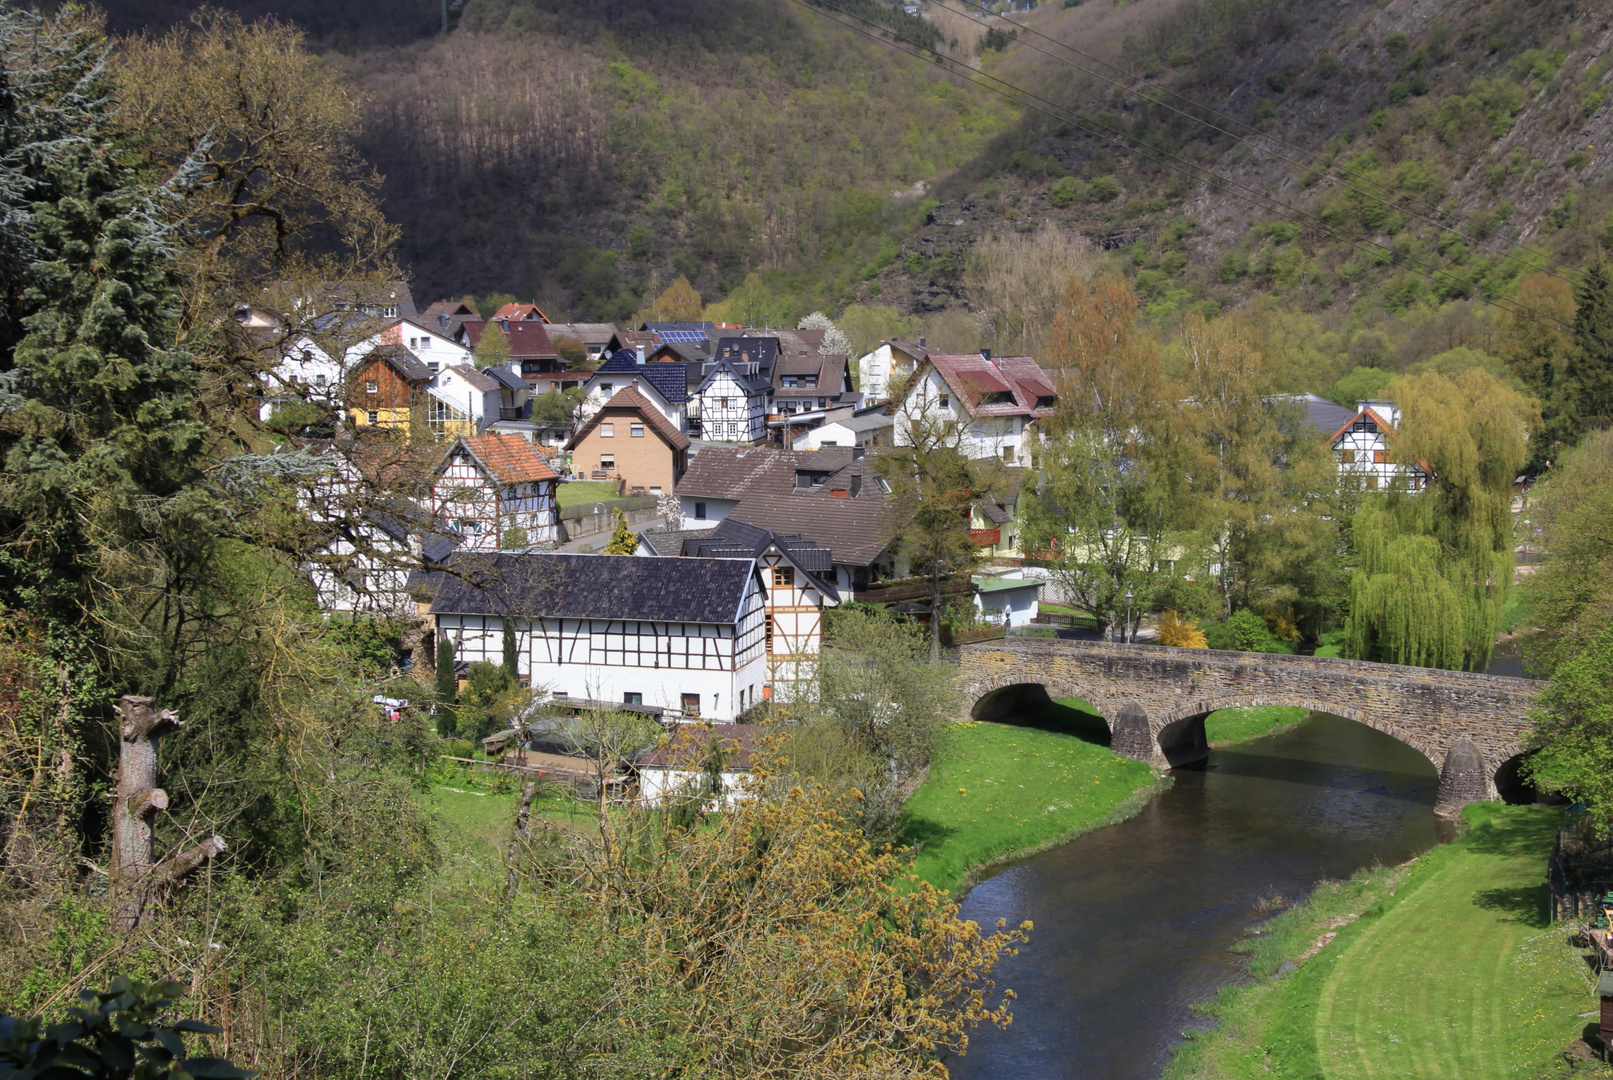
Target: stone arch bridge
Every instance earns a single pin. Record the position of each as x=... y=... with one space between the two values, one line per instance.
x=1155 y=700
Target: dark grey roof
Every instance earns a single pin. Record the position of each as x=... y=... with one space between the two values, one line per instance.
x=1322 y=415
x=403 y=362
x=756 y=350
x=511 y=380
x=759 y=383
x=736 y=539
x=708 y=591
x=669 y=542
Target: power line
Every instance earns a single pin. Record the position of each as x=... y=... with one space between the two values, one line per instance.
x=1322 y=172
x=1163 y=158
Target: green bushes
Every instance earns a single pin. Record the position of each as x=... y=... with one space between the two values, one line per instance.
x=1066 y=191
x=1245 y=632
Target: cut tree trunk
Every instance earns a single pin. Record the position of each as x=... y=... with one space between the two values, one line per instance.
x=136 y=876
x=523 y=817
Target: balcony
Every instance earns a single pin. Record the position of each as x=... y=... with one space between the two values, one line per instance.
x=507 y=413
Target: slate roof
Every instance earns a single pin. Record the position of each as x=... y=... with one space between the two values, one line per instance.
x=669 y=542
x=476 y=379
x=851 y=529
x=669 y=378
x=508 y=459
x=629 y=398
x=756 y=350
x=735 y=539
x=1321 y=414
x=724 y=472
x=508 y=378
x=585 y=332
x=709 y=591
x=758 y=383
x=974 y=379
x=403 y=362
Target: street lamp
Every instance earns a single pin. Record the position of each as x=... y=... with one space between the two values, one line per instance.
x=1128 y=617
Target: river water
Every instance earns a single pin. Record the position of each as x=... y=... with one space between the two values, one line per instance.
x=1134 y=922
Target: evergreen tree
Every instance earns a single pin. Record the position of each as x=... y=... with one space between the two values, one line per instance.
x=447 y=683
x=1587 y=399
x=511 y=656
x=622 y=541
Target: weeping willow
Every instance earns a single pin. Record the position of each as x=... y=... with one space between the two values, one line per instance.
x=1435 y=568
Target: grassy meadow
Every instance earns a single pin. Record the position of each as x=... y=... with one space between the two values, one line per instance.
x=1442 y=967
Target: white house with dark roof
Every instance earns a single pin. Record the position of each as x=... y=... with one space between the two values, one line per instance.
x=319 y=367
x=990 y=404
x=893 y=362
x=730 y=402
x=665 y=384
x=684 y=635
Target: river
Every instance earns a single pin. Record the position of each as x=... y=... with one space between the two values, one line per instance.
x=1135 y=922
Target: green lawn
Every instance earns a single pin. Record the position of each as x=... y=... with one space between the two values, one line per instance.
x=1226 y=726
x=1445 y=967
x=1000 y=790
x=576 y=492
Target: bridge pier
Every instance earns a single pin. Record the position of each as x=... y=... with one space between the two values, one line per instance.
x=1130 y=735
x=1464 y=778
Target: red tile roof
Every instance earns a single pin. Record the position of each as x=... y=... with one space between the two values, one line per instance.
x=520 y=311
x=971 y=376
x=508 y=459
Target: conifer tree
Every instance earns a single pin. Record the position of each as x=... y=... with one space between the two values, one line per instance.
x=622 y=541
x=1587 y=398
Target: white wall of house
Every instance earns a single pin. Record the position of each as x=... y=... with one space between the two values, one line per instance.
x=1362 y=451
x=602 y=385
x=729 y=414
x=1020 y=605
x=369 y=579
x=308 y=372
x=657 y=782
x=609 y=660
x=877 y=369
x=700 y=511
x=469 y=502
x=931 y=401
x=827 y=435
x=794 y=632
x=456 y=392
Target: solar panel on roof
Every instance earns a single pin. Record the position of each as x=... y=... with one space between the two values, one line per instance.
x=682 y=337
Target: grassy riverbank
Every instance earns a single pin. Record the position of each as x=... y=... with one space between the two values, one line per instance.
x=1445 y=966
x=1227 y=726
x=1003 y=790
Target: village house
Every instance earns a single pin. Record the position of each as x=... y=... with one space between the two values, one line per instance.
x=447 y=316
x=797 y=576
x=664 y=384
x=990 y=406
x=321 y=368
x=730 y=402
x=892 y=364
x=866 y=427
x=677 y=766
x=531 y=351
x=681 y=635
x=388 y=391
x=1363 y=446
x=1007 y=600
x=630 y=439
x=593 y=337
x=495 y=493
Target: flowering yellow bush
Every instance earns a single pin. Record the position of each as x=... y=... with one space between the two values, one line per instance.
x=1183 y=634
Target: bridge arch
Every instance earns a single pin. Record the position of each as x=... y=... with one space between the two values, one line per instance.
x=1154 y=700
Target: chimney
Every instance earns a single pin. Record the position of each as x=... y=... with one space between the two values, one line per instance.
x=921 y=342
x=641 y=354
x=985 y=354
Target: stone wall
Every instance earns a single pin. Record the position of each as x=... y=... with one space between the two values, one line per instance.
x=1155 y=699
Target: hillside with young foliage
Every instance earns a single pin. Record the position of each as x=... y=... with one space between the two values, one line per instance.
x=1328 y=155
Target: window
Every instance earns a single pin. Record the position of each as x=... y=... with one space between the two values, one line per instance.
x=783 y=577
x=319 y=380
x=700 y=511
x=1008 y=455
x=946 y=402
x=631 y=698
x=371 y=387
x=1346 y=457
x=425 y=343
x=636 y=431
x=655 y=491
x=469 y=526
x=607 y=461
x=605 y=389
x=691 y=704
x=823 y=403
x=1383 y=457
x=767 y=634
x=789 y=380
x=433 y=365
x=607 y=431
x=722 y=403
x=373 y=417
x=414 y=343
x=810 y=380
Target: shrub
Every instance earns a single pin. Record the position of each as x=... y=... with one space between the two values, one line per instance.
x=1103 y=189
x=1066 y=191
x=1278 y=82
x=1398 y=92
x=1249 y=631
x=1183 y=634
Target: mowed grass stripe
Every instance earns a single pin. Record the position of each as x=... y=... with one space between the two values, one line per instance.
x=1427 y=988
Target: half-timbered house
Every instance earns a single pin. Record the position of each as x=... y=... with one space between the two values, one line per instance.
x=681 y=635
x=729 y=403
x=496 y=493
x=1364 y=450
x=797 y=577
